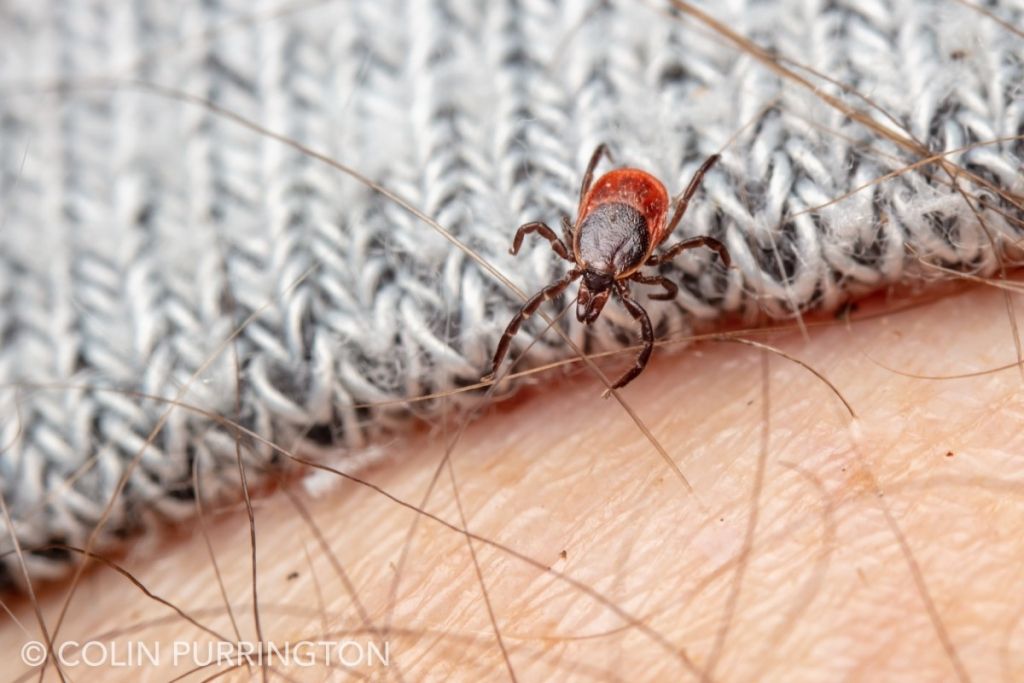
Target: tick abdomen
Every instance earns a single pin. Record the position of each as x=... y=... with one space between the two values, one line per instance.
x=612 y=238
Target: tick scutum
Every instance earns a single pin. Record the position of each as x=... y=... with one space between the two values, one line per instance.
x=613 y=238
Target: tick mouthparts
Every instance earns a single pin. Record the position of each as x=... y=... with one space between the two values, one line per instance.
x=589 y=304
x=583 y=303
x=596 y=281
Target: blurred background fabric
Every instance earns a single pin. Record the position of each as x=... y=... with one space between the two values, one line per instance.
x=138 y=231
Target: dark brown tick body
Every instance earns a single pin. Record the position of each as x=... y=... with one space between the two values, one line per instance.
x=619 y=223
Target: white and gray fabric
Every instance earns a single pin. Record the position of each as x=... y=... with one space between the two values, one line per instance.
x=137 y=232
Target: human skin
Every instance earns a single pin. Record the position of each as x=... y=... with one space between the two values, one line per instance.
x=814 y=546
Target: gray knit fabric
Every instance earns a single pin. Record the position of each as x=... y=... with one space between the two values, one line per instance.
x=138 y=232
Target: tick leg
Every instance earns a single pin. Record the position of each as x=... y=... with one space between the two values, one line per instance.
x=528 y=309
x=595 y=158
x=691 y=189
x=692 y=243
x=647 y=332
x=544 y=231
x=567 y=231
x=671 y=289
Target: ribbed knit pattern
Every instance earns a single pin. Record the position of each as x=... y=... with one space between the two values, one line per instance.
x=136 y=232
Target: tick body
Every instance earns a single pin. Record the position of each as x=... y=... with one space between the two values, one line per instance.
x=622 y=218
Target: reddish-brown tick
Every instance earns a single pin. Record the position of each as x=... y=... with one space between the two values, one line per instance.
x=619 y=223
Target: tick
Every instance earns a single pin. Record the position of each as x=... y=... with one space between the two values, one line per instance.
x=620 y=222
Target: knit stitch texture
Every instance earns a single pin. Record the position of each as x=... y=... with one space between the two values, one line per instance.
x=137 y=232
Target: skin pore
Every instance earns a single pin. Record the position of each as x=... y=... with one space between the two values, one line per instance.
x=816 y=547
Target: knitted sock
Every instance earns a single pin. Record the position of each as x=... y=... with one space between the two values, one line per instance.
x=138 y=232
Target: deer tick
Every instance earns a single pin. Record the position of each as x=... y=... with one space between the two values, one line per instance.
x=620 y=221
